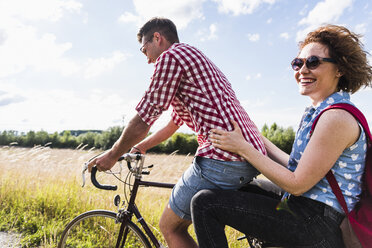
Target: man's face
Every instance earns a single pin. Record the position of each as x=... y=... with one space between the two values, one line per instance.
x=150 y=47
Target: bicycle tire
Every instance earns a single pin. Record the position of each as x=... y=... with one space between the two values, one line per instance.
x=98 y=228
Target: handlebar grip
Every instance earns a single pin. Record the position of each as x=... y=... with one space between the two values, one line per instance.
x=97 y=184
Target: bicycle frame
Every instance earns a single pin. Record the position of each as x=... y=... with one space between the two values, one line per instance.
x=124 y=216
x=132 y=209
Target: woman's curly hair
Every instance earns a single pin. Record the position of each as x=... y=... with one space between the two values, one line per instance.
x=346 y=48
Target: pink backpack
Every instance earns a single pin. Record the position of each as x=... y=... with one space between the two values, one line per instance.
x=360 y=218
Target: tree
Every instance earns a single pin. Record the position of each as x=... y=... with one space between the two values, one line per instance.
x=110 y=136
x=282 y=138
x=89 y=139
x=67 y=140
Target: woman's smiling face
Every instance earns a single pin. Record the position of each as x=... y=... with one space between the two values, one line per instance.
x=320 y=82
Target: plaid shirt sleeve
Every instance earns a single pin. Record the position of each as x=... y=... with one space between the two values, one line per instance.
x=176 y=118
x=164 y=84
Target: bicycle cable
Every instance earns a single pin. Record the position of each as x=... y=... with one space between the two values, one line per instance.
x=126 y=184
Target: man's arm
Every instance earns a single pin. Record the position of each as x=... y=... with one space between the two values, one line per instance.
x=134 y=132
x=156 y=138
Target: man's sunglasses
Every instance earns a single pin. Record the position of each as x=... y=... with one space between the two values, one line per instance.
x=311 y=62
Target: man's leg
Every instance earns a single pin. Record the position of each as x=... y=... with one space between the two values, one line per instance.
x=176 y=217
x=202 y=174
x=174 y=230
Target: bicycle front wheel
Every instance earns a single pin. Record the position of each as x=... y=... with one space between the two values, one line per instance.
x=98 y=228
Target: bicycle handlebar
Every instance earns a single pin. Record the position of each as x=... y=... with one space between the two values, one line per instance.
x=97 y=184
x=129 y=157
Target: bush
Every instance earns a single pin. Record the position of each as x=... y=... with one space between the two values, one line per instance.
x=180 y=142
x=282 y=138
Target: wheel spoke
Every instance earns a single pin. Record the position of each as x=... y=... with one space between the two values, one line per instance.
x=99 y=229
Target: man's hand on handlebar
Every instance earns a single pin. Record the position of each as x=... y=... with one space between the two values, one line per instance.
x=103 y=162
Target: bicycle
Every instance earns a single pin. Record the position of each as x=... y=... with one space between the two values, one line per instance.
x=103 y=228
x=111 y=229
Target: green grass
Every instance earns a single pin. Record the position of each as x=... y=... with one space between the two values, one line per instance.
x=37 y=211
x=40 y=192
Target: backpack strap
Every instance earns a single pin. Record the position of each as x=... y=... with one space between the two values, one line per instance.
x=363 y=121
x=352 y=110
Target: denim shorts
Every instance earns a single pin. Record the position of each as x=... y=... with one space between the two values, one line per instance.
x=205 y=173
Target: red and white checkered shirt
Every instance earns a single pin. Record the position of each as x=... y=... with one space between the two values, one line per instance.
x=201 y=97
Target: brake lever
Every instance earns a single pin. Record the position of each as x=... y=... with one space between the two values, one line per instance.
x=85 y=168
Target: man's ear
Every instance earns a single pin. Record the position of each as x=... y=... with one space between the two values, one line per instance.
x=339 y=73
x=157 y=37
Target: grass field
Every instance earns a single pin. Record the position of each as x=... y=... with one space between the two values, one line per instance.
x=40 y=192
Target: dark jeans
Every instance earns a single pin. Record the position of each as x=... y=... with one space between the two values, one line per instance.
x=300 y=222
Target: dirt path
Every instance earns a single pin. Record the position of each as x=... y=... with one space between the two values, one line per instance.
x=9 y=240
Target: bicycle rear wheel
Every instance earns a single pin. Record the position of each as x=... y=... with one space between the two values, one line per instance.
x=98 y=228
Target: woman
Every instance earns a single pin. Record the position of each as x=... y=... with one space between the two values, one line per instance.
x=331 y=65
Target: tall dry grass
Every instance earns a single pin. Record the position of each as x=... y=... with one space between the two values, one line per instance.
x=40 y=191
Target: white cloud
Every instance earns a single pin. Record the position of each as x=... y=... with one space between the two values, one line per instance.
x=284 y=35
x=128 y=17
x=269 y=21
x=2 y=36
x=211 y=34
x=46 y=54
x=7 y=98
x=51 y=10
x=304 y=10
x=250 y=77
x=96 y=67
x=361 y=28
x=22 y=46
x=180 y=12
x=57 y=110
x=213 y=30
x=240 y=7
x=328 y=11
x=253 y=37
x=261 y=112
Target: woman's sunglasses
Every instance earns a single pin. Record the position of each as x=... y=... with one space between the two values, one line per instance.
x=311 y=62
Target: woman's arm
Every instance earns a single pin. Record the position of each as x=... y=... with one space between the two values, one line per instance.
x=275 y=153
x=335 y=131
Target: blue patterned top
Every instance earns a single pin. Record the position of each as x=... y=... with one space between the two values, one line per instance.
x=348 y=168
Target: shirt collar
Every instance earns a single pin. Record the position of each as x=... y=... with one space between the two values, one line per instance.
x=334 y=98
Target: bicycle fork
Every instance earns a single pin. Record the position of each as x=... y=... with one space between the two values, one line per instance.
x=124 y=216
x=123 y=232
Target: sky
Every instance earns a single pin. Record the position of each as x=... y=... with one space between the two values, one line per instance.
x=76 y=64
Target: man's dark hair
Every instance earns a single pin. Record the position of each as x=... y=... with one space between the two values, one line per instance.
x=162 y=25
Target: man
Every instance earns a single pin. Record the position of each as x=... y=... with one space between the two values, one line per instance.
x=203 y=99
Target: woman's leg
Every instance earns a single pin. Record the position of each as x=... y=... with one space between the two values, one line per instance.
x=211 y=210
x=256 y=215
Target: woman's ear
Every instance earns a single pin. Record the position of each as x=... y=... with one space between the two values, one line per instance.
x=339 y=73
